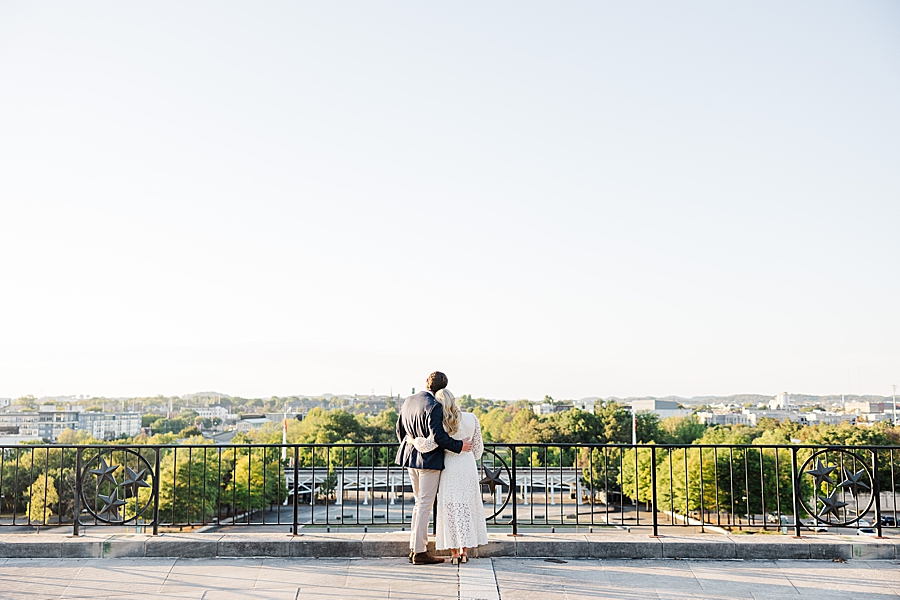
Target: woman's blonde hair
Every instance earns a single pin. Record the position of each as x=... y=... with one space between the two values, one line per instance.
x=452 y=412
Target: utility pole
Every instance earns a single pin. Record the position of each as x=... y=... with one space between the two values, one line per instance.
x=284 y=436
x=894 y=404
x=633 y=425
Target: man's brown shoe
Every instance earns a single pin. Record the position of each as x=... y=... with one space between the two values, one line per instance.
x=423 y=558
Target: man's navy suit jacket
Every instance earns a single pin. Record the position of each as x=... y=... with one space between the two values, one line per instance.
x=420 y=416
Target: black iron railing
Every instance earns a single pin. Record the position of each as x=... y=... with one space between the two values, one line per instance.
x=787 y=488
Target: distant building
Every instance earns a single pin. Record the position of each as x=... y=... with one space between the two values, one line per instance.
x=547 y=408
x=827 y=418
x=780 y=402
x=248 y=422
x=873 y=417
x=223 y=438
x=754 y=415
x=729 y=418
x=663 y=408
x=803 y=418
x=48 y=425
x=211 y=412
x=586 y=404
x=4 y=402
x=865 y=407
x=37 y=425
x=110 y=425
x=279 y=417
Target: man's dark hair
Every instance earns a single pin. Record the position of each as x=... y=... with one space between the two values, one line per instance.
x=436 y=382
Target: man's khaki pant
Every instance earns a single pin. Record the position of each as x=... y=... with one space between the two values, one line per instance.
x=425 y=486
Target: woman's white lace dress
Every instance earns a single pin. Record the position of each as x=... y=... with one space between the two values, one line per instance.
x=460 y=512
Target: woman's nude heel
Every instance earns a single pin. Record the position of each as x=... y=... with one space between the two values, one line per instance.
x=454 y=560
x=464 y=558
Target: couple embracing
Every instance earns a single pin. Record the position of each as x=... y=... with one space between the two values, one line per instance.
x=440 y=445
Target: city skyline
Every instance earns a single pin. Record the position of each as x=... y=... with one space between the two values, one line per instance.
x=212 y=396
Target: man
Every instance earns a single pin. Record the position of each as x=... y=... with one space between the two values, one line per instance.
x=423 y=416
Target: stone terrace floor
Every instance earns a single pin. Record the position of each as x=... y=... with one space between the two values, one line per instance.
x=486 y=578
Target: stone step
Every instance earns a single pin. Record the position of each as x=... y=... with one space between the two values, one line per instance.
x=354 y=545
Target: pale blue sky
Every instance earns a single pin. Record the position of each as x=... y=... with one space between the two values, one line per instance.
x=572 y=199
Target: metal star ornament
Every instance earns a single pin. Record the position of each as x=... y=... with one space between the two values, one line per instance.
x=105 y=473
x=821 y=473
x=135 y=480
x=853 y=482
x=112 y=504
x=491 y=478
x=831 y=505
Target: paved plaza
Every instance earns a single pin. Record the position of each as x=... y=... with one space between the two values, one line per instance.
x=483 y=579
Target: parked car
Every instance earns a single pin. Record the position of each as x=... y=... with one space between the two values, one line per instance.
x=864 y=523
x=866 y=531
x=816 y=526
x=888 y=521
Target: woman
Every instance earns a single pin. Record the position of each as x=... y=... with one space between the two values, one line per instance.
x=460 y=512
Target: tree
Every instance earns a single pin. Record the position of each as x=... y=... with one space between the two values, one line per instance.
x=682 y=430
x=28 y=402
x=188 y=487
x=381 y=428
x=614 y=423
x=576 y=426
x=731 y=480
x=648 y=428
x=42 y=497
x=601 y=468
x=73 y=437
x=148 y=419
x=256 y=480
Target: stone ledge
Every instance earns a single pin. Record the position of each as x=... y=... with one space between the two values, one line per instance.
x=607 y=545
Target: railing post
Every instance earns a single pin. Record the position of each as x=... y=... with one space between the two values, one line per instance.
x=653 y=490
x=156 y=476
x=76 y=522
x=876 y=490
x=296 y=485
x=515 y=489
x=795 y=486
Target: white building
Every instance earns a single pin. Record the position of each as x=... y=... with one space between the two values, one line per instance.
x=211 y=412
x=780 y=402
x=873 y=417
x=865 y=407
x=827 y=418
x=585 y=404
x=728 y=418
x=547 y=408
x=664 y=408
